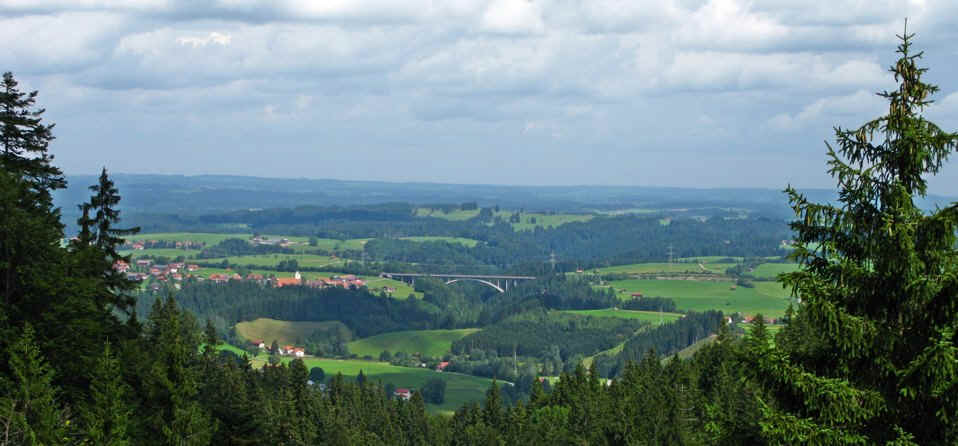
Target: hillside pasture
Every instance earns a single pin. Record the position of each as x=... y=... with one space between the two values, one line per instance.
x=772 y=270
x=664 y=267
x=283 y=332
x=460 y=389
x=272 y=260
x=208 y=238
x=542 y=220
x=455 y=215
x=467 y=242
x=700 y=295
x=432 y=343
x=403 y=289
x=160 y=252
x=648 y=316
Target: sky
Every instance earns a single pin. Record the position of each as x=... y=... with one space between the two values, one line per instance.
x=688 y=93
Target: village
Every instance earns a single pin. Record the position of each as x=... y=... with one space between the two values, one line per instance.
x=175 y=272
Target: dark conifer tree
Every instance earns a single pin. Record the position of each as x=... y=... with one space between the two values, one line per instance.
x=877 y=288
x=30 y=411
x=107 y=414
x=24 y=140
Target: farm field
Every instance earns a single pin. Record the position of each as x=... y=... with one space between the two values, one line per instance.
x=208 y=238
x=330 y=244
x=433 y=343
x=460 y=389
x=283 y=332
x=467 y=242
x=271 y=260
x=772 y=270
x=649 y=316
x=766 y=297
x=542 y=220
x=455 y=215
x=403 y=289
x=665 y=267
x=164 y=252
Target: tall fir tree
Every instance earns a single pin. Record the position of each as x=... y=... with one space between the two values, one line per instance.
x=30 y=413
x=878 y=363
x=24 y=140
x=107 y=414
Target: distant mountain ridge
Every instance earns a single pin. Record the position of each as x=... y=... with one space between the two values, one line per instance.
x=206 y=194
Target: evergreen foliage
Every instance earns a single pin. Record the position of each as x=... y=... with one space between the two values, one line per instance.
x=871 y=355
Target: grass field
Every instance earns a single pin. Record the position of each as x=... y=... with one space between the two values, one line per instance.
x=283 y=332
x=467 y=242
x=772 y=270
x=165 y=252
x=209 y=239
x=455 y=215
x=460 y=389
x=665 y=267
x=649 y=316
x=403 y=290
x=433 y=343
x=767 y=297
x=542 y=220
x=271 y=260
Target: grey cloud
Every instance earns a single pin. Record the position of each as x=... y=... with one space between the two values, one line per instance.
x=586 y=92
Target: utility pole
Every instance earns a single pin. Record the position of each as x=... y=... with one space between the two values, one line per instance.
x=670 y=257
x=552 y=260
x=515 y=361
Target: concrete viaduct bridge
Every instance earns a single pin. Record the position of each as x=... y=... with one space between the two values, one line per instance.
x=500 y=283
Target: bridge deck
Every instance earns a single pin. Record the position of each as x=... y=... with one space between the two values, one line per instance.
x=459 y=276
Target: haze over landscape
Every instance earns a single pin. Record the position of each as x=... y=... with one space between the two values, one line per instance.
x=504 y=222
x=718 y=93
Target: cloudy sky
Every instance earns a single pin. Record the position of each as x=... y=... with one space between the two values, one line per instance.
x=695 y=93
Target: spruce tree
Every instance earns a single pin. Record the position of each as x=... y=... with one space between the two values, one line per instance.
x=878 y=286
x=30 y=413
x=107 y=415
x=24 y=140
x=105 y=216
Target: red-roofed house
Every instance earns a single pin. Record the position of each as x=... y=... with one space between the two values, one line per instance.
x=299 y=352
x=121 y=266
x=286 y=281
x=403 y=393
x=442 y=366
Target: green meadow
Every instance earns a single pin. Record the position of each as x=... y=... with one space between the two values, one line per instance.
x=665 y=267
x=209 y=239
x=455 y=215
x=283 y=332
x=772 y=270
x=542 y=220
x=649 y=316
x=271 y=260
x=467 y=242
x=699 y=295
x=403 y=289
x=460 y=389
x=432 y=343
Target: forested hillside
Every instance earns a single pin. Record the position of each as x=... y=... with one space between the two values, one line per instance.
x=867 y=354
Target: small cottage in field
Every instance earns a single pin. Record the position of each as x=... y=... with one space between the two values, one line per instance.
x=403 y=393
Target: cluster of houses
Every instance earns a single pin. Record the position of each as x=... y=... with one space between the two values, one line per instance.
x=286 y=350
x=147 y=244
x=178 y=271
